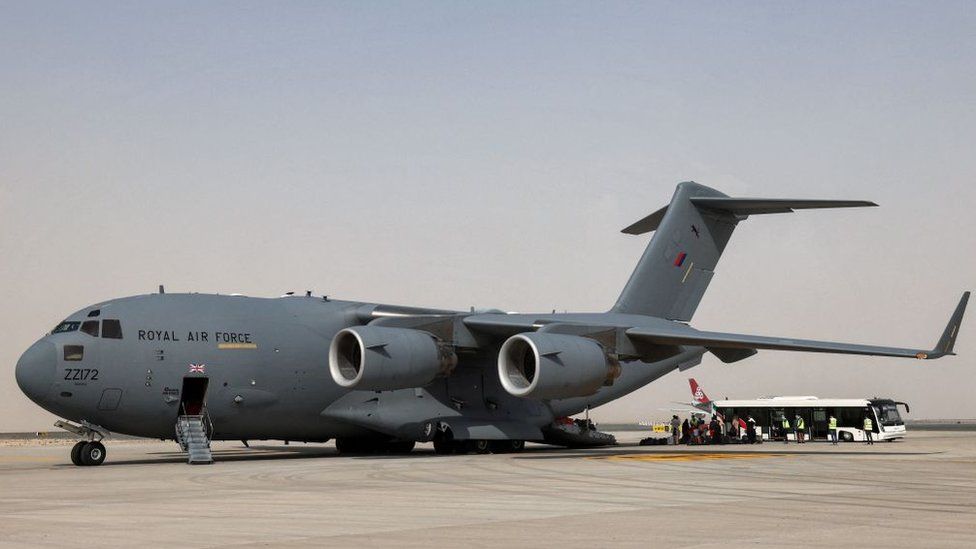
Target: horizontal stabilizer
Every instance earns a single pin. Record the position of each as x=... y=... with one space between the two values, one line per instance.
x=753 y=206
x=681 y=334
x=743 y=207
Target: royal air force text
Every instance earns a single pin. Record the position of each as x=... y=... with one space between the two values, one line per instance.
x=203 y=336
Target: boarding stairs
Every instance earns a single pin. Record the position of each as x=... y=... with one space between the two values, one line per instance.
x=191 y=434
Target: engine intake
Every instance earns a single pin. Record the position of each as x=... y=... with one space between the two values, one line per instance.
x=551 y=366
x=375 y=358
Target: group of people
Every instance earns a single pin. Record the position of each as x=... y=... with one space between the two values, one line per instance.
x=799 y=428
x=715 y=431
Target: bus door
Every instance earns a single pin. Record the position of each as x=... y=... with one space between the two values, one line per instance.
x=818 y=427
x=776 y=418
x=807 y=415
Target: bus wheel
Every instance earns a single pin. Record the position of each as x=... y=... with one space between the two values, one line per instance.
x=847 y=437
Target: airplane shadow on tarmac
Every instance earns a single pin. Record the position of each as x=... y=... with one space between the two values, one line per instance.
x=264 y=453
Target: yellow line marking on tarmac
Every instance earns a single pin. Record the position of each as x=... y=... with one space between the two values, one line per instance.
x=686 y=456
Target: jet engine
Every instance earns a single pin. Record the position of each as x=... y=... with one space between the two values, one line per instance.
x=375 y=358
x=549 y=366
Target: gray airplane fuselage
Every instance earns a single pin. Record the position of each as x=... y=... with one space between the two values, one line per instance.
x=266 y=362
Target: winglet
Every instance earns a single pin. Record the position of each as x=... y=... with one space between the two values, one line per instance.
x=948 y=339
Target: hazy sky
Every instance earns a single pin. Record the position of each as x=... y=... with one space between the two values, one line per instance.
x=455 y=154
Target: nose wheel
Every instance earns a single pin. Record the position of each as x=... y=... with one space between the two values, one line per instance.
x=88 y=453
x=76 y=452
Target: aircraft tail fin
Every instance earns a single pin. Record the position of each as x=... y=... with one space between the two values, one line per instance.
x=691 y=233
x=697 y=394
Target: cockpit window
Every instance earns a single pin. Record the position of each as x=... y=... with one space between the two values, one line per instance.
x=111 y=329
x=94 y=313
x=66 y=326
x=74 y=352
x=90 y=327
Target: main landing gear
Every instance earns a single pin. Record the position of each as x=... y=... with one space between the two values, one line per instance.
x=446 y=446
x=86 y=452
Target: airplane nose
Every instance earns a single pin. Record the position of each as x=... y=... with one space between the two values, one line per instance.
x=35 y=370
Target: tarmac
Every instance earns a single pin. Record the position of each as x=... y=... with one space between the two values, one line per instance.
x=920 y=492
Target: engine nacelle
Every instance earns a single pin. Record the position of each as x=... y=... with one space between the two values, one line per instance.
x=548 y=366
x=375 y=358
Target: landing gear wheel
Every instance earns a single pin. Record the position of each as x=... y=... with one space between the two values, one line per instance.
x=478 y=446
x=506 y=446
x=92 y=453
x=76 y=452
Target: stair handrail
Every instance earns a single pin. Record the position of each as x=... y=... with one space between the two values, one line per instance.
x=205 y=413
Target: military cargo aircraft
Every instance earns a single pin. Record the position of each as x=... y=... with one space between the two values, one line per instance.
x=379 y=378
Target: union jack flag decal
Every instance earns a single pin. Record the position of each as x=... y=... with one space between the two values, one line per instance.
x=197 y=368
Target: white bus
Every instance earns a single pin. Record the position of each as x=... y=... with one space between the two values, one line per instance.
x=850 y=413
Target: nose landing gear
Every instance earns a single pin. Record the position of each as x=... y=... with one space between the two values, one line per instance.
x=86 y=452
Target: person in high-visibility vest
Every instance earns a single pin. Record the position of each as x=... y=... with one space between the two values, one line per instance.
x=801 y=428
x=832 y=429
x=786 y=430
x=868 y=429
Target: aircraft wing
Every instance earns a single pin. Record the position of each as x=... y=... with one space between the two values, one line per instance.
x=681 y=334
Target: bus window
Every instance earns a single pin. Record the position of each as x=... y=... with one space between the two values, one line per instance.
x=850 y=417
x=111 y=329
x=888 y=413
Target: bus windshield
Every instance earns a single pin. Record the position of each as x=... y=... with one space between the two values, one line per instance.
x=888 y=413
